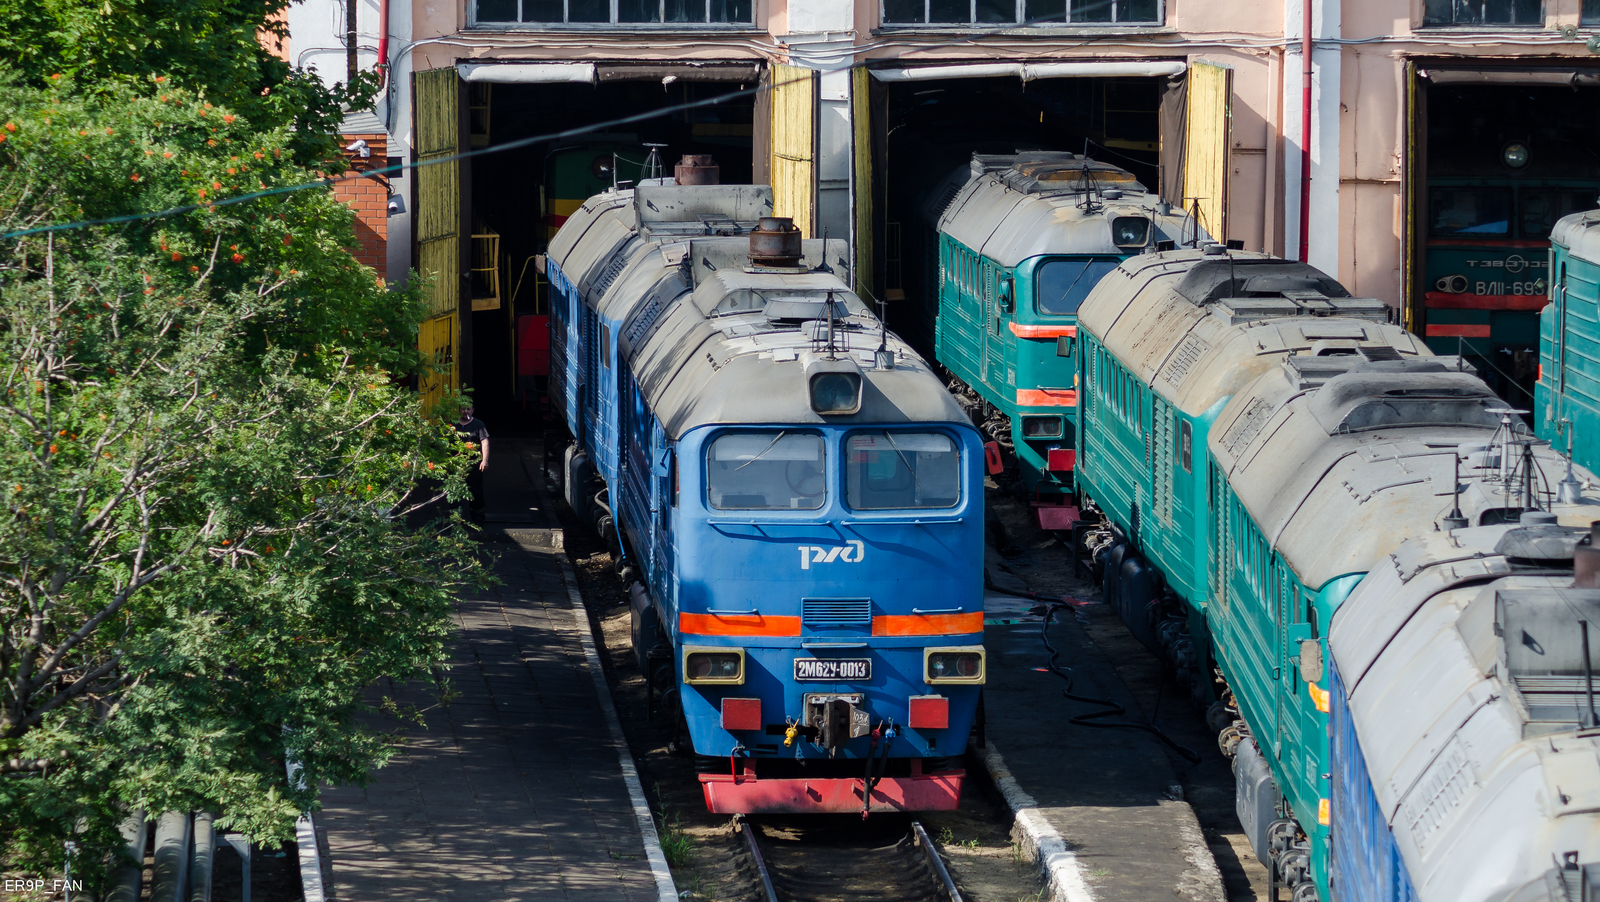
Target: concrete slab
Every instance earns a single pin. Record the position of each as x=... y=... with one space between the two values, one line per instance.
x=519 y=789
x=1101 y=808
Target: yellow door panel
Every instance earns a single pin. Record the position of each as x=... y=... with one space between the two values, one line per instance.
x=1205 y=167
x=794 y=155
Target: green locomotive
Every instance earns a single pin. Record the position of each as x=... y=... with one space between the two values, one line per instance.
x=1022 y=239
x=1258 y=441
x=1567 y=396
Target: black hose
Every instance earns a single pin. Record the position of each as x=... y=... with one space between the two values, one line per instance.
x=1111 y=708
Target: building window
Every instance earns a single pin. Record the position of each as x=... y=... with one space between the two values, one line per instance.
x=616 y=12
x=1591 y=12
x=1488 y=12
x=1022 y=12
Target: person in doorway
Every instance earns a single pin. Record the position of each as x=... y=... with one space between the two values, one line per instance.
x=476 y=435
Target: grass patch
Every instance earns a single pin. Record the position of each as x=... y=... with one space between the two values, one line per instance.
x=676 y=845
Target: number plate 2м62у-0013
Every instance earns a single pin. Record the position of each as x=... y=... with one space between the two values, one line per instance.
x=833 y=670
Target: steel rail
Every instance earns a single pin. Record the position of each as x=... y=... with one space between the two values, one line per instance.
x=935 y=862
x=748 y=830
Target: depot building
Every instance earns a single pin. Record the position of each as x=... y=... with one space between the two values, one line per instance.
x=1420 y=157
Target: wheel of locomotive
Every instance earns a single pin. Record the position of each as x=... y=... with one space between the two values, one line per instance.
x=1137 y=591
x=1306 y=892
x=1219 y=716
x=678 y=744
x=1110 y=579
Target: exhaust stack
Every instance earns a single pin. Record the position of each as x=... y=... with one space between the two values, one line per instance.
x=776 y=242
x=697 y=169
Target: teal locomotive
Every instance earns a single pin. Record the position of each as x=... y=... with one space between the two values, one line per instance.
x=1021 y=241
x=1567 y=397
x=1258 y=442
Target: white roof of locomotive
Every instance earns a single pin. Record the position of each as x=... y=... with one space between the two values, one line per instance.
x=1016 y=207
x=1332 y=502
x=694 y=328
x=1478 y=811
x=1580 y=234
x=1198 y=350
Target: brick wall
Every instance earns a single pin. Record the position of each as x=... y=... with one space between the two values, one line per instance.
x=370 y=201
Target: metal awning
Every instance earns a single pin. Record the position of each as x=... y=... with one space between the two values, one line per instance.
x=1030 y=71
x=527 y=73
x=738 y=73
x=521 y=73
x=1571 y=78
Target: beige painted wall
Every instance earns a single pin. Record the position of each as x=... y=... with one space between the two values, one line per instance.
x=1373 y=127
x=1245 y=34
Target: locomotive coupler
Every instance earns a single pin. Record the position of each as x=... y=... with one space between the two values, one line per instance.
x=837 y=718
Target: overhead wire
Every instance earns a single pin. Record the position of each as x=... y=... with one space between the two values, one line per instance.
x=400 y=167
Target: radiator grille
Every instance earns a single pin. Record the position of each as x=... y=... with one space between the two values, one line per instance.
x=836 y=611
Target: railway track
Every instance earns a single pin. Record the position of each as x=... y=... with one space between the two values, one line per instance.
x=887 y=859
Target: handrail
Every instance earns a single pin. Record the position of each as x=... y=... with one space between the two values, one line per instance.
x=914 y=521
x=938 y=610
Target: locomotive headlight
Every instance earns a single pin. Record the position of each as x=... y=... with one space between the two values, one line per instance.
x=704 y=666
x=833 y=382
x=1041 y=427
x=1515 y=155
x=836 y=393
x=1130 y=231
x=961 y=664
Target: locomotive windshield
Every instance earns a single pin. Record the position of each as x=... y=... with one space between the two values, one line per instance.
x=901 y=470
x=772 y=470
x=1063 y=284
x=1539 y=208
x=1474 y=212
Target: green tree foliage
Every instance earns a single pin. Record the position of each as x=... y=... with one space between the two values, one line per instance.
x=217 y=47
x=210 y=540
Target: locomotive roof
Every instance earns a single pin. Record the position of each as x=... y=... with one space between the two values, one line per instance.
x=1422 y=648
x=1580 y=234
x=1199 y=327
x=1013 y=207
x=1342 y=460
x=1339 y=428
x=712 y=339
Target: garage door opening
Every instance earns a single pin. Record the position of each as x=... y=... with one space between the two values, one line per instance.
x=923 y=130
x=1505 y=154
x=517 y=199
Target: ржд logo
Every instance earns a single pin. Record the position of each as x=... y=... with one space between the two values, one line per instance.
x=850 y=552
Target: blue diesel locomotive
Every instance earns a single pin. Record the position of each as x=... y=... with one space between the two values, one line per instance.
x=1260 y=442
x=799 y=498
